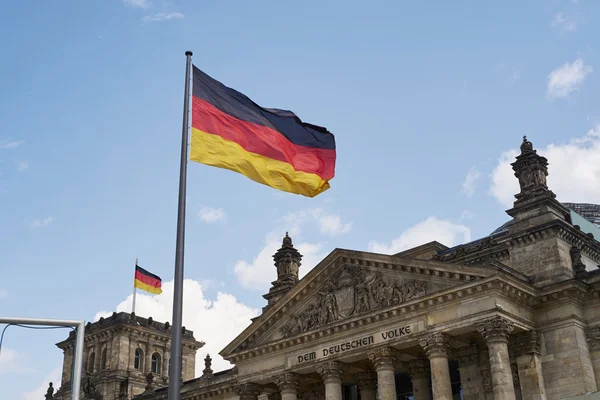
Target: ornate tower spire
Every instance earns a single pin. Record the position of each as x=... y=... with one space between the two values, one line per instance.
x=287 y=261
x=531 y=169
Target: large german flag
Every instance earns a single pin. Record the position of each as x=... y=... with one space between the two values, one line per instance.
x=147 y=281
x=270 y=146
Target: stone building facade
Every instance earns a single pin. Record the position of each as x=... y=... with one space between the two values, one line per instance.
x=512 y=316
x=125 y=355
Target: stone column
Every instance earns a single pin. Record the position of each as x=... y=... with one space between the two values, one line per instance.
x=98 y=357
x=288 y=386
x=436 y=347
x=495 y=331
x=248 y=391
x=470 y=374
x=148 y=359
x=331 y=373
x=420 y=373
x=367 y=385
x=67 y=365
x=383 y=360
x=166 y=356
x=529 y=366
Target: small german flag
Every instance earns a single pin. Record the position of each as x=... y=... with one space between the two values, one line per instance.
x=270 y=146
x=147 y=281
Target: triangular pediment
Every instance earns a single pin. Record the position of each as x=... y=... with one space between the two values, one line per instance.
x=350 y=284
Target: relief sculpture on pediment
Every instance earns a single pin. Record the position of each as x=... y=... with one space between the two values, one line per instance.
x=350 y=292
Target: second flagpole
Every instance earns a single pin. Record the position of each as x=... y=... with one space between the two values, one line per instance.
x=175 y=368
x=134 y=288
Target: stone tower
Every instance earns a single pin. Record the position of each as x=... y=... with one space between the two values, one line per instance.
x=287 y=261
x=124 y=356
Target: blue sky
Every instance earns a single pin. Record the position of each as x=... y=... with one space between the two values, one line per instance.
x=426 y=102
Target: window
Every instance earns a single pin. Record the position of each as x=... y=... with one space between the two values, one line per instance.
x=169 y=370
x=155 y=363
x=103 y=359
x=91 y=360
x=139 y=356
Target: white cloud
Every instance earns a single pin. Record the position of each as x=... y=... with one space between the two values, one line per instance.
x=12 y=362
x=466 y=214
x=209 y=214
x=40 y=391
x=23 y=166
x=443 y=231
x=216 y=322
x=259 y=273
x=564 y=23
x=329 y=224
x=573 y=171
x=137 y=3
x=10 y=144
x=469 y=185
x=40 y=223
x=567 y=78
x=163 y=17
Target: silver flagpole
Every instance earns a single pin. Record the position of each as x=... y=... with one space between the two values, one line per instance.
x=134 y=289
x=175 y=372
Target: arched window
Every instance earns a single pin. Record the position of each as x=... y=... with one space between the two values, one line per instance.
x=155 y=363
x=139 y=357
x=91 y=361
x=103 y=359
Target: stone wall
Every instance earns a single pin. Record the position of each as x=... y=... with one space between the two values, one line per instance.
x=566 y=362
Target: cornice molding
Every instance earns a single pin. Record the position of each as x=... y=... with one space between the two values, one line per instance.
x=519 y=292
x=426 y=269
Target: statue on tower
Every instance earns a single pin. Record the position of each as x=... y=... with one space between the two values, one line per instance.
x=50 y=392
x=531 y=170
x=287 y=261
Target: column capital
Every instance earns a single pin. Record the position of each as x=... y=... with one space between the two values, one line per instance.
x=436 y=345
x=287 y=382
x=525 y=343
x=330 y=371
x=248 y=391
x=496 y=329
x=417 y=368
x=366 y=380
x=382 y=358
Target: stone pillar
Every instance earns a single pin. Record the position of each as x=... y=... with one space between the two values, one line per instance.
x=67 y=365
x=471 y=376
x=98 y=357
x=529 y=366
x=248 y=391
x=436 y=347
x=496 y=331
x=165 y=361
x=383 y=360
x=148 y=359
x=420 y=373
x=331 y=373
x=367 y=385
x=288 y=386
